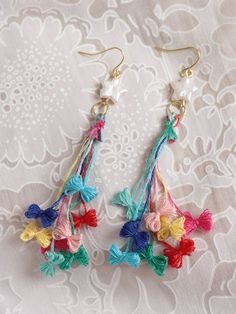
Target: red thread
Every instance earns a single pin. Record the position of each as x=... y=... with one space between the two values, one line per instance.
x=96 y=130
x=58 y=245
x=175 y=255
x=177 y=120
x=151 y=204
x=89 y=218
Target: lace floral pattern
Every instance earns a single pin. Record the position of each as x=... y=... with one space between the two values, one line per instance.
x=46 y=92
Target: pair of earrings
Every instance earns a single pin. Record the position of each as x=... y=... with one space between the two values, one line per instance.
x=152 y=213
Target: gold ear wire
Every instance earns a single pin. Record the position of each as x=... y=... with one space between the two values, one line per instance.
x=115 y=73
x=188 y=70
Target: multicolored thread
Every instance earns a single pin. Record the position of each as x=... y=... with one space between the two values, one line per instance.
x=156 y=218
x=57 y=229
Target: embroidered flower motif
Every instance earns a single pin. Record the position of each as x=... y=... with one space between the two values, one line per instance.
x=34 y=94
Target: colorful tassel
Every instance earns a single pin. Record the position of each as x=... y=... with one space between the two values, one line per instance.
x=89 y=219
x=160 y=216
x=63 y=231
x=47 y=216
x=58 y=245
x=96 y=131
x=175 y=255
x=76 y=184
x=116 y=257
x=140 y=238
x=53 y=259
x=169 y=228
x=62 y=243
x=170 y=131
x=204 y=222
x=157 y=263
x=33 y=230
x=124 y=199
x=81 y=257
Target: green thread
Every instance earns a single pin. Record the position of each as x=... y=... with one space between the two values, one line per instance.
x=157 y=263
x=80 y=257
x=53 y=259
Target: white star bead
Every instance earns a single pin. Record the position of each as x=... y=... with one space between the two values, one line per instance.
x=183 y=88
x=111 y=89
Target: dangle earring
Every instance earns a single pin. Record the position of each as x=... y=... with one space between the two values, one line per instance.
x=152 y=213
x=58 y=229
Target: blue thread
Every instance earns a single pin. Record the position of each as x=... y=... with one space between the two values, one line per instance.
x=84 y=164
x=47 y=216
x=150 y=185
x=140 y=238
x=75 y=184
x=166 y=135
x=130 y=229
x=116 y=257
x=170 y=133
x=159 y=150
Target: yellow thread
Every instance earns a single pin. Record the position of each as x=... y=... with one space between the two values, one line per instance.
x=161 y=180
x=173 y=228
x=33 y=230
x=71 y=169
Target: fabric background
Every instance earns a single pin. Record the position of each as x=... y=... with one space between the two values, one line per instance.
x=46 y=92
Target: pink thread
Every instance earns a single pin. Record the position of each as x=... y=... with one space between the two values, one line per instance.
x=166 y=206
x=152 y=221
x=204 y=221
x=61 y=210
x=85 y=152
x=179 y=211
x=96 y=130
x=63 y=231
x=155 y=190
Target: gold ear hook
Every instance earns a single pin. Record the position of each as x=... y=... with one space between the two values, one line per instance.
x=115 y=73
x=188 y=70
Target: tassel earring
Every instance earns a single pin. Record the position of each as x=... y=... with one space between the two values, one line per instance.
x=58 y=229
x=152 y=213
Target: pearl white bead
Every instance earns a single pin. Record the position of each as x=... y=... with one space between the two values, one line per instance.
x=111 y=89
x=183 y=88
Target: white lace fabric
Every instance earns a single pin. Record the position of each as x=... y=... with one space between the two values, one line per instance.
x=46 y=92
